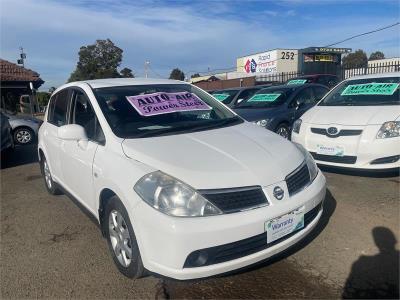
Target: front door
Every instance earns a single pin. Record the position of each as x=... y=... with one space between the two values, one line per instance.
x=77 y=156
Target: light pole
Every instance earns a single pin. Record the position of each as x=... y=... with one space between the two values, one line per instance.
x=146 y=66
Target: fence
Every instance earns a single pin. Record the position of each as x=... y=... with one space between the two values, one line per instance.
x=370 y=69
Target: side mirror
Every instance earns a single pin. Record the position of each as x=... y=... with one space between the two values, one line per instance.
x=72 y=132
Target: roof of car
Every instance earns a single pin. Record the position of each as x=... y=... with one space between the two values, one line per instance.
x=314 y=75
x=288 y=86
x=109 y=82
x=380 y=75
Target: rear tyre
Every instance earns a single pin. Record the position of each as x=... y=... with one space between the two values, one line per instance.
x=283 y=130
x=121 y=240
x=51 y=186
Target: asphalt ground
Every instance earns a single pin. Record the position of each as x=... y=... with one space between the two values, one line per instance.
x=51 y=249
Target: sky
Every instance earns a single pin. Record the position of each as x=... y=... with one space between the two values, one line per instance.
x=194 y=36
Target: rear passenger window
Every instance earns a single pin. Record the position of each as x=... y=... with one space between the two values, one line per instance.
x=58 y=109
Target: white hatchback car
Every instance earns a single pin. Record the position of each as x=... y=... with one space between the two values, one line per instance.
x=180 y=185
x=356 y=125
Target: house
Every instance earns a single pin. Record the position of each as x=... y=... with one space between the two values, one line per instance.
x=18 y=87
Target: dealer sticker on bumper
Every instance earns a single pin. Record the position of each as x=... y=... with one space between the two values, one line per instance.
x=330 y=150
x=284 y=225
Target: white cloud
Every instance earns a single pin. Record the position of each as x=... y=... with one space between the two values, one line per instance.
x=192 y=37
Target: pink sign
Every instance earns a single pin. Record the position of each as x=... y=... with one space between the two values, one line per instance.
x=165 y=103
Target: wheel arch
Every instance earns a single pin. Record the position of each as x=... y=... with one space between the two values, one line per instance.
x=105 y=195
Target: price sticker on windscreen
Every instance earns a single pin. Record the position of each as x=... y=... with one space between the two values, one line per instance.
x=370 y=89
x=221 y=97
x=297 y=81
x=166 y=103
x=264 y=98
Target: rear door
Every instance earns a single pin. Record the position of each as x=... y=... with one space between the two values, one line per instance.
x=77 y=157
x=56 y=117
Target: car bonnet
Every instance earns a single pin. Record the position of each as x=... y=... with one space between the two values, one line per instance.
x=235 y=156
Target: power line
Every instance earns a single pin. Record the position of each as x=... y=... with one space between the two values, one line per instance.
x=347 y=39
x=365 y=33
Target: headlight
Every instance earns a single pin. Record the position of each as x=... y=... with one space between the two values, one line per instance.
x=389 y=130
x=262 y=123
x=312 y=166
x=173 y=197
x=297 y=125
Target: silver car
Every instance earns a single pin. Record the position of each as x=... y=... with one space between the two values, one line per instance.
x=24 y=128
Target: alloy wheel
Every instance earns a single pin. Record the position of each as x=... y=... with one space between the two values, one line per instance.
x=47 y=175
x=23 y=136
x=120 y=238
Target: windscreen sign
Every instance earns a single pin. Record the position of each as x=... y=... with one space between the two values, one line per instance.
x=165 y=103
x=265 y=63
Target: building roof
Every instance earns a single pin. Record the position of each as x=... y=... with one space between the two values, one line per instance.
x=12 y=72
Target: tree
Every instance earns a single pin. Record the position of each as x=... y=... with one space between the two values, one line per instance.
x=100 y=60
x=357 y=59
x=177 y=74
x=195 y=75
x=376 y=55
x=43 y=98
x=126 y=73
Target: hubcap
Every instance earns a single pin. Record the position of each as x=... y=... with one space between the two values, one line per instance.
x=283 y=132
x=47 y=175
x=23 y=136
x=120 y=238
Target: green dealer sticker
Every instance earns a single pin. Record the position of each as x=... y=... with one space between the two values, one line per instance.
x=370 y=89
x=221 y=97
x=264 y=98
x=297 y=81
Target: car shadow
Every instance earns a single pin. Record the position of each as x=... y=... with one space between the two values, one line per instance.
x=329 y=209
x=362 y=173
x=20 y=155
x=376 y=276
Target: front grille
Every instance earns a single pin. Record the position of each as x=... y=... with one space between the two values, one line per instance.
x=227 y=252
x=343 y=132
x=297 y=180
x=235 y=199
x=335 y=159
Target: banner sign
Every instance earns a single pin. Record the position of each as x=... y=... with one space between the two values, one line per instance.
x=370 y=89
x=297 y=81
x=264 y=98
x=165 y=103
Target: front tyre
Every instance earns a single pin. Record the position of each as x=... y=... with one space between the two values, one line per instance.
x=23 y=136
x=121 y=240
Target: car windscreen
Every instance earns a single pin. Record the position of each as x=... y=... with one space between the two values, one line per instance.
x=225 y=96
x=268 y=97
x=154 y=110
x=364 y=92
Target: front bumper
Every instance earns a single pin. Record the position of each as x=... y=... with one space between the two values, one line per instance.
x=165 y=242
x=362 y=151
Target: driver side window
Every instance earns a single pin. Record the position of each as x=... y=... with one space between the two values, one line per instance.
x=84 y=115
x=305 y=96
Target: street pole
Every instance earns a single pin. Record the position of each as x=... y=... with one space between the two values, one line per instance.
x=146 y=65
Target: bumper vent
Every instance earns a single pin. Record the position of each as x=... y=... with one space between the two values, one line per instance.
x=231 y=251
x=335 y=159
x=236 y=199
x=297 y=180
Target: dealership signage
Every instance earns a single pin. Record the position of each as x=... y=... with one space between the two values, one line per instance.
x=265 y=63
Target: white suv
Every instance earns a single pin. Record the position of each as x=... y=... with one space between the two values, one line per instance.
x=180 y=185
